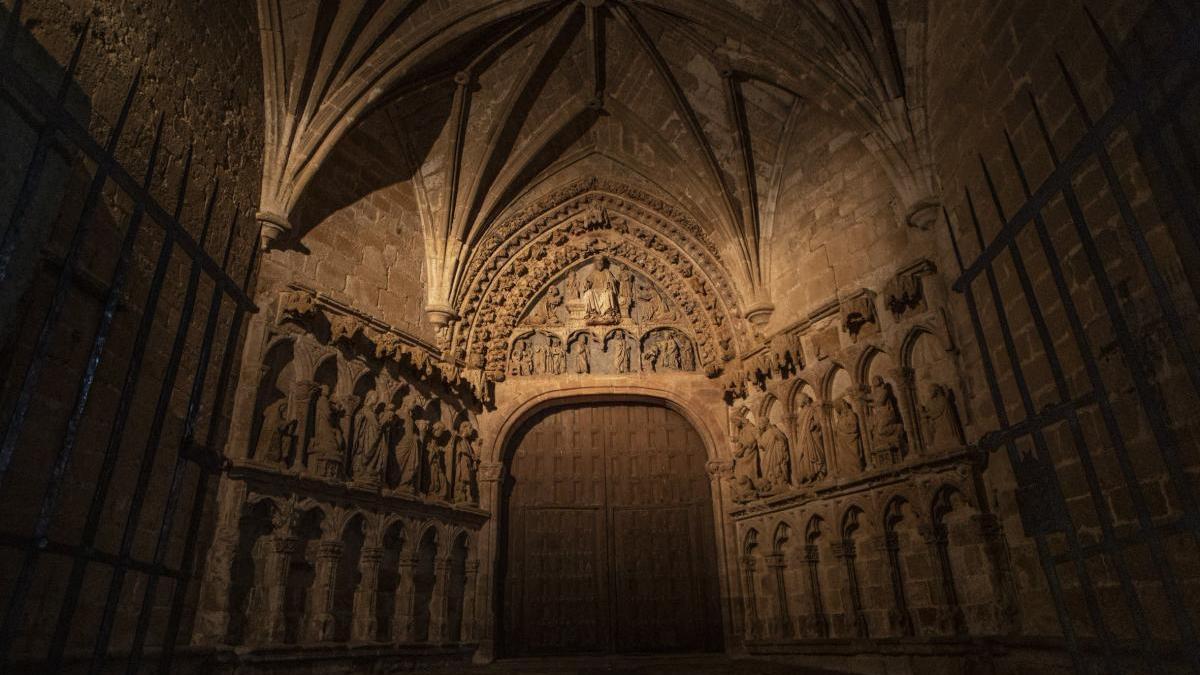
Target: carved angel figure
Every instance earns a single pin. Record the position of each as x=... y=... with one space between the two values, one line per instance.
x=775 y=456
x=466 y=464
x=276 y=436
x=941 y=419
x=847 y=437
x=887 y=427
x=811 y=463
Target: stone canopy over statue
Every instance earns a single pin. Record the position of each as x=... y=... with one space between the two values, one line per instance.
x=600 y=294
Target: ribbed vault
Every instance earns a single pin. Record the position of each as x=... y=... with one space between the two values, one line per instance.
x=500 y=101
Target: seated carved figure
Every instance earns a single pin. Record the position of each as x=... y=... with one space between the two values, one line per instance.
x=746 y=474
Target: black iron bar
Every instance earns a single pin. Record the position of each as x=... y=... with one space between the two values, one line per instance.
x=112 y=301
x=117 y=430
x=1042 y=448
x=1184 y=198
x=25 y=85
x=153 y=443
x=53 y=547
x=33 y=371
x=1095 y=377
x=1103 y=516
x=1151 y=403
x=181 y=459
x=37 y=163
x=1039 y=538
x=14 y=612
x=1186 y=47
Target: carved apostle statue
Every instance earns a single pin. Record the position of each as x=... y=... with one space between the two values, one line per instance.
x=466 y=464
x=276 y=436
x=407 y=453
x=774 y=455
x=621 y=358
x=518 y=358
x=369 y=457
x=328 y=442
x=558 y=358
x=670 y=353
x=810 y=458
x=847 y=438
x=746 y=473
x=600 y=294
x=941 y=419
x=887 y=427
x=435 y=454
x=583 y=360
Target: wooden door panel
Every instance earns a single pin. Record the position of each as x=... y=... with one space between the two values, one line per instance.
x=610 y=541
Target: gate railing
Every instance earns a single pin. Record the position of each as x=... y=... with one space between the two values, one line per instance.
x=184 y=311
x=1116 y=554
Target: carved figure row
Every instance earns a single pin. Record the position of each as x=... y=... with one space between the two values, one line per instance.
x=328 y=415
x=306 y=572
x=659 y=350
x=789 y=580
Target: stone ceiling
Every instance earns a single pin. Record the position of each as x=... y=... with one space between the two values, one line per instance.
x=500 y=101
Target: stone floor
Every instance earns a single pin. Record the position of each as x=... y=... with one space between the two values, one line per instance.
x=715 y=664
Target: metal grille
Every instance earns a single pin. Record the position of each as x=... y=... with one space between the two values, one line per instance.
x=105 y=444
x=1080 y=306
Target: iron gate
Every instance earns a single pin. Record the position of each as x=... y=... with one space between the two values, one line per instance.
x=1095 y=401
x=116 y=376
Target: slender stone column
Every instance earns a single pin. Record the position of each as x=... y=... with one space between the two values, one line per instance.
x=321 y=622
x=951 y=618
x=819 y=623
x=366 y=596
x=300 y=402
x=467 y=632
x=750 y=597
x=439 y=611
x=906 y=397
x=490 y=476
x=282 y=550
x=214 y=610
x=782 y=620
x=846 y=551
x=900 y=618
x=406 y=598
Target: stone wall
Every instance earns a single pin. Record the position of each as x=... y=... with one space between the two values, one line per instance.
x=185 y=53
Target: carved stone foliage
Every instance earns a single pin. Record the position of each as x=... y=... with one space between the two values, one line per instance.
x=583 y=257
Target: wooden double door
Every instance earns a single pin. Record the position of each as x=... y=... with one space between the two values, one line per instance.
x=609 y=528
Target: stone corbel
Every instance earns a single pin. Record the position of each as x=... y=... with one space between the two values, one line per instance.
x=273 y=228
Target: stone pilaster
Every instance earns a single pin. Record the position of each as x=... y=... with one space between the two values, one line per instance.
x=482 y=621
x=321 y=622
x=467 y=631
x=366 y=597
x=280 y=563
